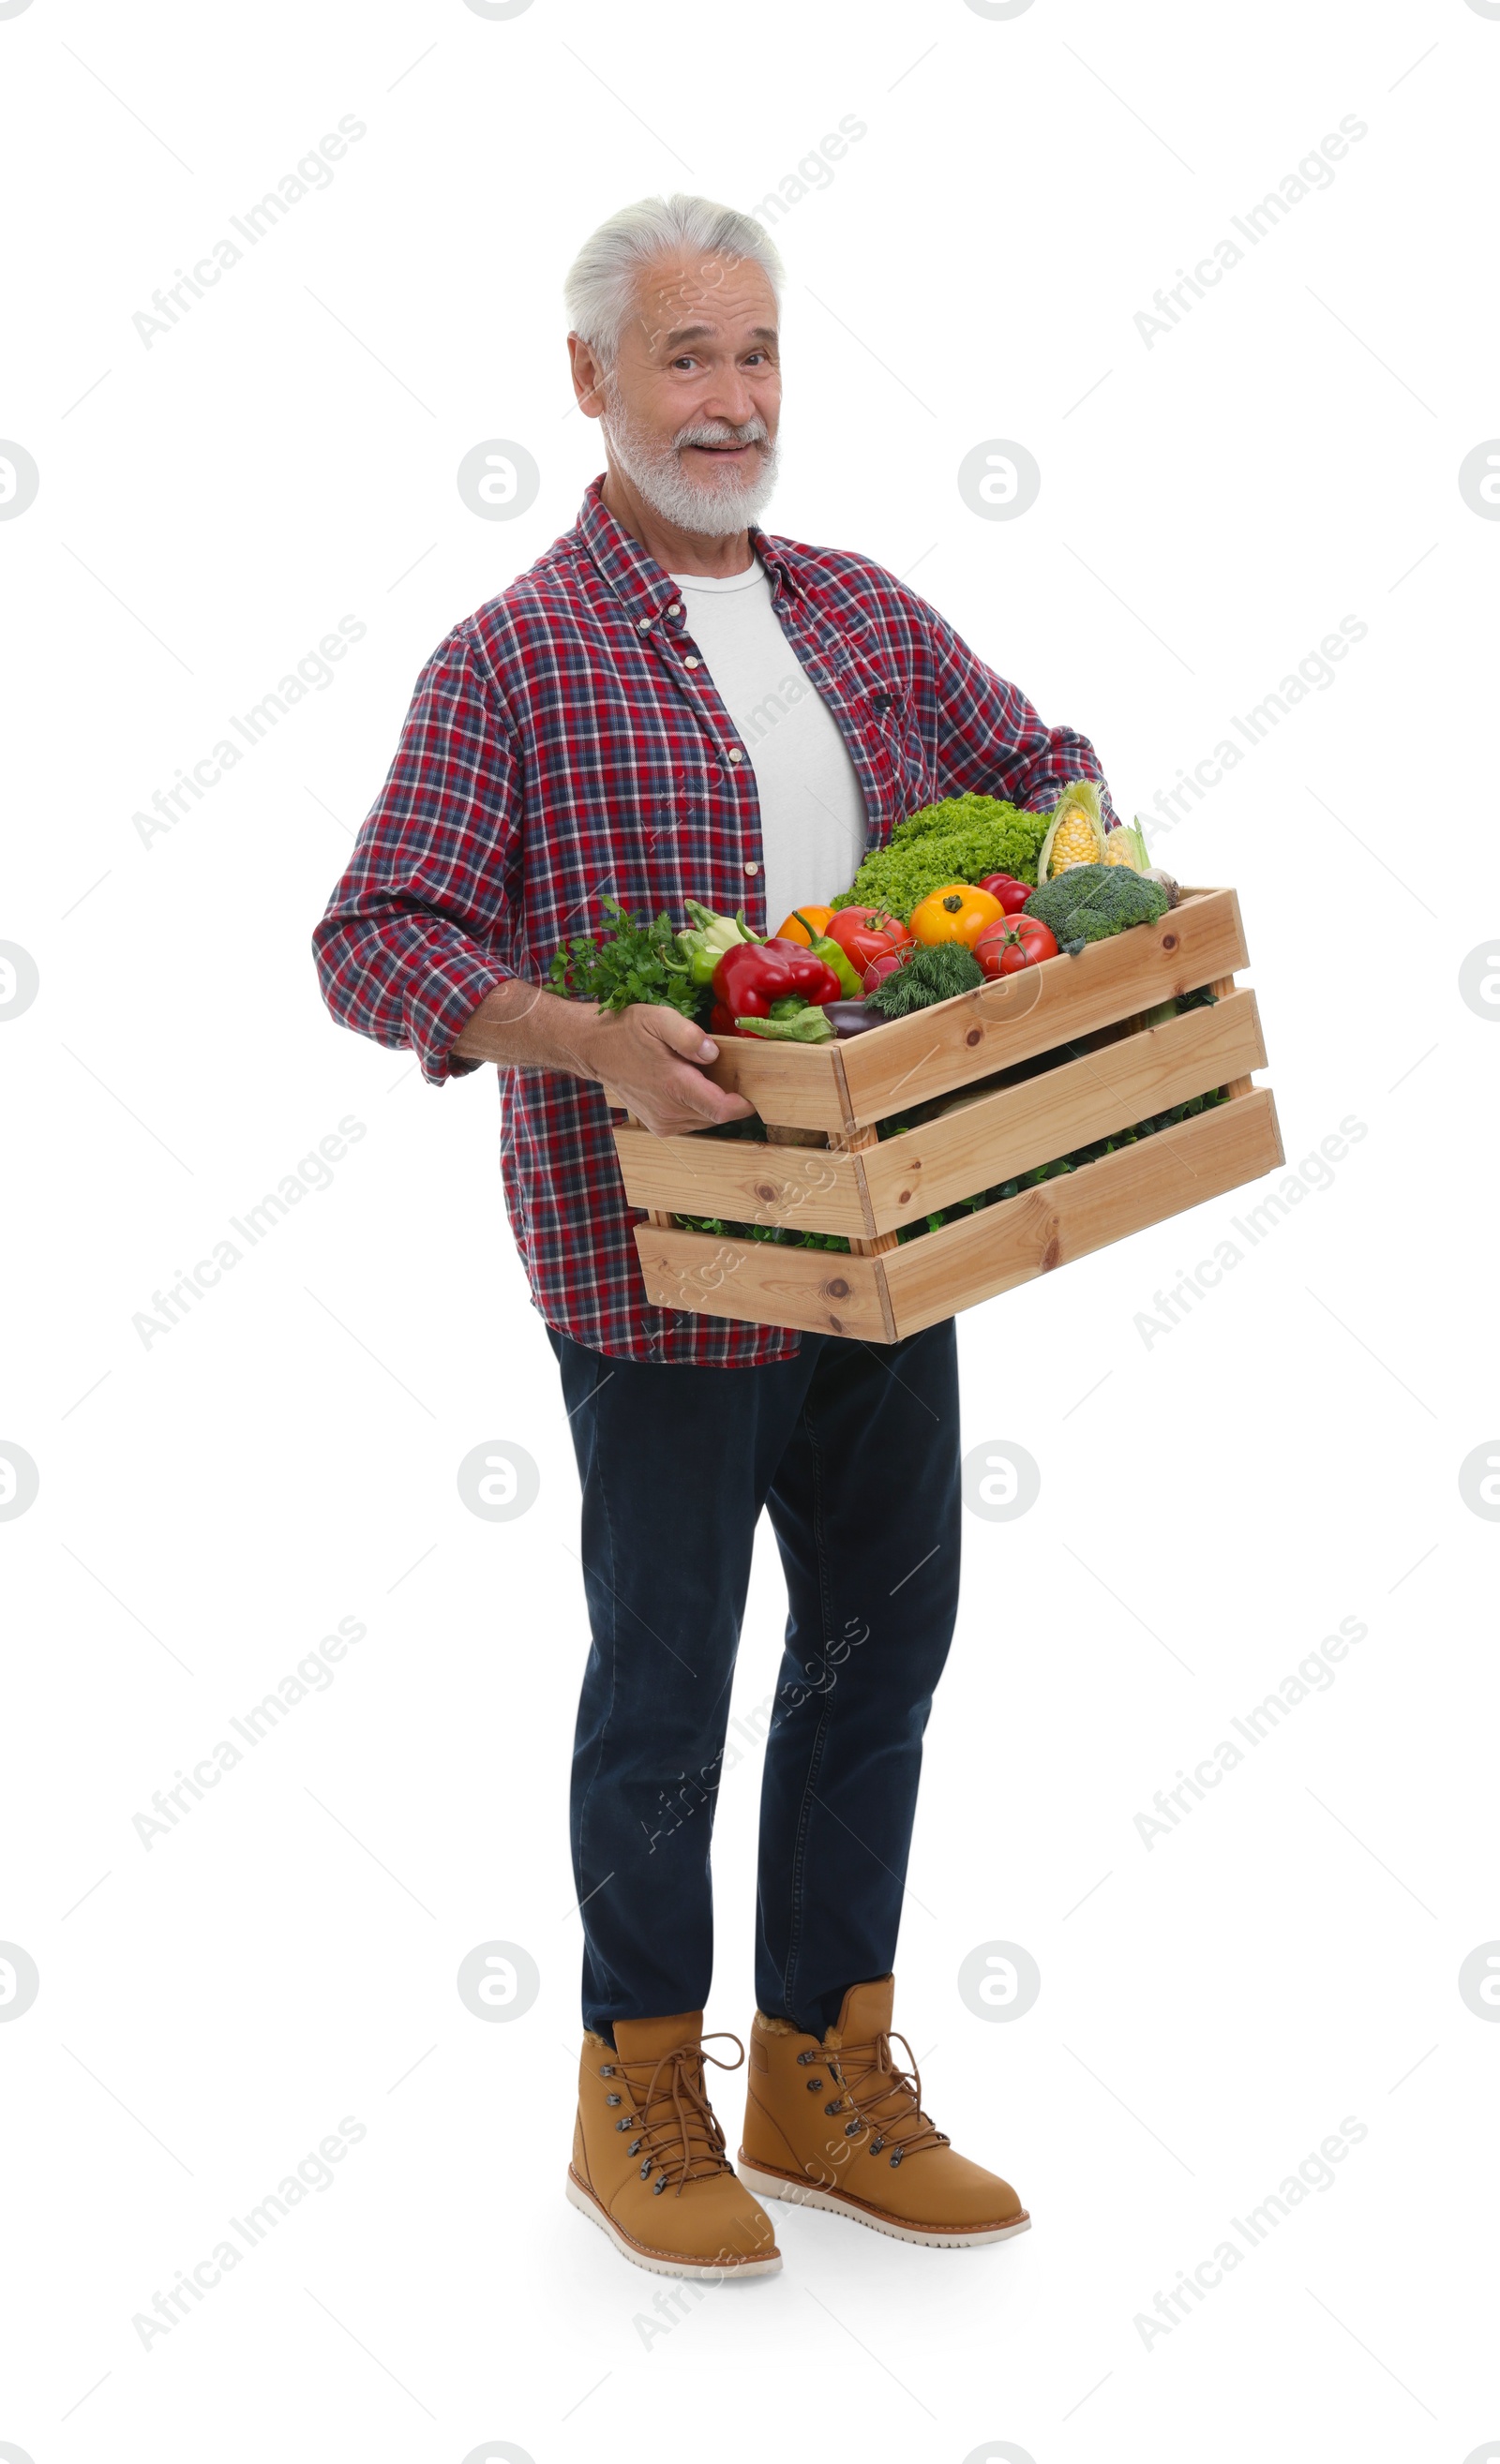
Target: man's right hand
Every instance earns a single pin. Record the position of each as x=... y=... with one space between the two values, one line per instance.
x=645 y=1055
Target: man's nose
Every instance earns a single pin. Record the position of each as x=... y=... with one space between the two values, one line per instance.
x=733 y=400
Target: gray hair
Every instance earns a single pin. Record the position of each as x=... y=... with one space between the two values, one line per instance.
x=601 y=278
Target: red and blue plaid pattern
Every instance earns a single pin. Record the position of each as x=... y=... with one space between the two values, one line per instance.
x=567 y=740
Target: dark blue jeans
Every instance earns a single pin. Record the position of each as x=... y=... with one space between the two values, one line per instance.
x=854 y=1450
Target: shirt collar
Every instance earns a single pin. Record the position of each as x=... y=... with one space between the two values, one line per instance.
x=645 y=587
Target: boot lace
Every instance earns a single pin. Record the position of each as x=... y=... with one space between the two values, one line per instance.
x=677 y=2135
x=887 y=2098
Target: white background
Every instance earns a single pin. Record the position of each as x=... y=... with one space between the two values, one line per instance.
x=1212 y=1502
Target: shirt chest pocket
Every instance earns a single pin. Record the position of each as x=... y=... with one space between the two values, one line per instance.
x=891 y=739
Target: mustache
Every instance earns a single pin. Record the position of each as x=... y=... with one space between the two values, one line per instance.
x=719 y=432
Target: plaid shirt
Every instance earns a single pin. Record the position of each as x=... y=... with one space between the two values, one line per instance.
x=567 y=740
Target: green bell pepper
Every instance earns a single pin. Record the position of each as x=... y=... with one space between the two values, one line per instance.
x=826 y=948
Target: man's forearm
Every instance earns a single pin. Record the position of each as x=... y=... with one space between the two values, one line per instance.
x=520 y=1026
x=650 y=1056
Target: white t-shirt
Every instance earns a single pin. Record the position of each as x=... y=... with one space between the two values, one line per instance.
x=812 y=806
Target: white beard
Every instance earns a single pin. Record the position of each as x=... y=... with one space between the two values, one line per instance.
x=712 y=510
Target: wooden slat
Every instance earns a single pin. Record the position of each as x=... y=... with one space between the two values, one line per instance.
x=858 y=1142
x=943 y=1272
x=1222 y=988
x=745 y=1183
x=992 y=1138
x=658 y=1215
x=800 y=1084
x=864 y=1143
x=956 y=1041
x=816 y=1290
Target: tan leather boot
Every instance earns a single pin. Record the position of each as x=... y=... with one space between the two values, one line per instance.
x=837 y=2124
x=649 y=2163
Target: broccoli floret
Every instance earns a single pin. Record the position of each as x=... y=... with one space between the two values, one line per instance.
x=1089 y=902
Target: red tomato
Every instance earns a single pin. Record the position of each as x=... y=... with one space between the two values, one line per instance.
x=1019 y=942
x=866 y=933
x=1011 y=893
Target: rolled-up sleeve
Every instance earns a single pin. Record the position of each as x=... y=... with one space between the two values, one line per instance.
x=425 y=920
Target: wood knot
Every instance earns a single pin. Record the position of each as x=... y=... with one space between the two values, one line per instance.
x=764 y=1189
x=1169 y=940
x=1051 y=1255
x=905 y=1198
x=974 y=1034
x=838 y=1288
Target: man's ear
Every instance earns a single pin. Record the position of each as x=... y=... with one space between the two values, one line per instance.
x=588 y=377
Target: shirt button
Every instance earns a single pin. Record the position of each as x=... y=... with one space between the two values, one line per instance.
x=675 y=610
x=735 y=753
x=691 y=663
x=645 y=624
x=752 y=868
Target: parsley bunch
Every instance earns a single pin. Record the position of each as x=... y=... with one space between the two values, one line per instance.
x=633 y=961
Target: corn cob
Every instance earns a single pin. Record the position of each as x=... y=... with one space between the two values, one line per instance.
x=1126 y=844
x=1077 y=834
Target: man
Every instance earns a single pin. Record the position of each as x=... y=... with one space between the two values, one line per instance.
x=673 y=703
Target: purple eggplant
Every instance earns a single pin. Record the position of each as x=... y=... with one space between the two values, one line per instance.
x=851 y=1016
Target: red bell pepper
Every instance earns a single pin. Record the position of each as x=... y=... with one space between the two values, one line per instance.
x=753 y=975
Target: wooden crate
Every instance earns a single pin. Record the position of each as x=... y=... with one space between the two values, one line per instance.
x=824 y=1168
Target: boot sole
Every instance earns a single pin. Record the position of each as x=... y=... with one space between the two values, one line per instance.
x=658 y=2261
x=804 y=2195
